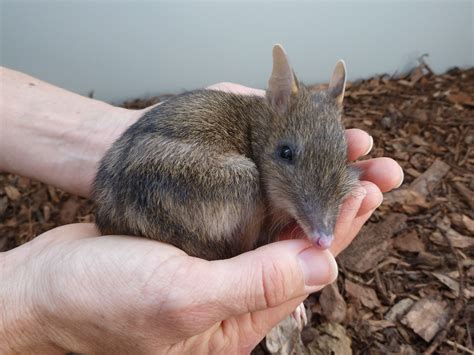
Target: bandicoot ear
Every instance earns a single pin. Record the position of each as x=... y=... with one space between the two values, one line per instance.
x=282 y=83
x=337 y=85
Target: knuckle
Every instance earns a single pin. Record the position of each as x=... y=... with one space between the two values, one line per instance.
x=274 y=284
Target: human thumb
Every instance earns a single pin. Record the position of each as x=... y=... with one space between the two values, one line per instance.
x=271 y=275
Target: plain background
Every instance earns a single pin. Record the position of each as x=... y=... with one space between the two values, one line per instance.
x=127 y=49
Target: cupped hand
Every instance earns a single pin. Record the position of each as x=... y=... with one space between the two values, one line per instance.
x=126 y=294
x=85 y=293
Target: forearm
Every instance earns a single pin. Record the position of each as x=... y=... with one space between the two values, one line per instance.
x=53 y=135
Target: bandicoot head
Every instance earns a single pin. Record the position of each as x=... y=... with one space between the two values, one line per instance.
x=302 y=151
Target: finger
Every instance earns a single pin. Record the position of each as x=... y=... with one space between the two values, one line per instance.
x=358 y=204
x=348 y=212
x=236 y=89
x=359 y=143
x=253 y=327
x=372 y=199
x=355 y=228
x=383 y=172
x=270 y=276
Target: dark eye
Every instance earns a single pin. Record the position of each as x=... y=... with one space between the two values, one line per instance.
x=286 y=153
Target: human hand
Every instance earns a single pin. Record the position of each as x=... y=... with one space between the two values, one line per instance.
x=128 y=294
x=71 y=290
x=84 y=293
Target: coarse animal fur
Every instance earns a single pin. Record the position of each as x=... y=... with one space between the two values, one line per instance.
x=203 y=171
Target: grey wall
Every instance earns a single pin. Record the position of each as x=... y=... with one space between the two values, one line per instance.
x=134 y=48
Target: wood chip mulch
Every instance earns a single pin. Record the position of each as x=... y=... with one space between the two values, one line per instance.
x=406 y=283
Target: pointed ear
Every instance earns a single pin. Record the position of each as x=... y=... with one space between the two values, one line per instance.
x=282 y=83
x=337 y=85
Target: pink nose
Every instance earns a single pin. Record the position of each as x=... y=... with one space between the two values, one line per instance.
x=322 y=240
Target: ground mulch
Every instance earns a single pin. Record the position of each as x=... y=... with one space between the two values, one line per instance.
x=406 y=283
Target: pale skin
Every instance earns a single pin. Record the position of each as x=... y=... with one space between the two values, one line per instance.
x=69 y=290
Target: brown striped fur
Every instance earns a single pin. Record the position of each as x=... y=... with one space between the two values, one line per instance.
x=202 y=171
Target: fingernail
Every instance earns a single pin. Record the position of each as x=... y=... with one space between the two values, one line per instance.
x=371 y=145
x=319 y=267
x=401 y=178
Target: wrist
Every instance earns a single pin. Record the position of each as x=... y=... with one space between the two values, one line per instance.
x=85 y=146
x=53 y=135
